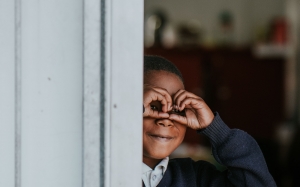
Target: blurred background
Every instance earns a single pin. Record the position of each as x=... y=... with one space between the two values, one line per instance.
x=242 y=58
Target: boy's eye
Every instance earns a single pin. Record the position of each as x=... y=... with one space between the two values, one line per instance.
x=177 y=112
x=156 y=106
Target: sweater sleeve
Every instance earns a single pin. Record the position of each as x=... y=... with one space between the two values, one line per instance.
x=240 y=153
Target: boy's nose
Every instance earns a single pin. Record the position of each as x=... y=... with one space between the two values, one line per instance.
x=164 y=122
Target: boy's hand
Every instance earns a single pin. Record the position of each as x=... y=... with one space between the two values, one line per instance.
x=197 y=114
x=157 y=102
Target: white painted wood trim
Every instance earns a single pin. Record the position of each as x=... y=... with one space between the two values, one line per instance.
x=113 y=82
x=18 y=92
x=125 y=57
x=91 y=101
x=7 y=93
x=113 y=73
x=52 y=93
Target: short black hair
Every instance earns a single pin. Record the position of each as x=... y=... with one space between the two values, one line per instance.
x=158 y=63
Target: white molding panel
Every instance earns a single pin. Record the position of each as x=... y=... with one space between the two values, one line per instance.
x=7 y=93
x=51 y=93
x=92 y=94
x=126 y=62
x=71 y=93
x=113 y=71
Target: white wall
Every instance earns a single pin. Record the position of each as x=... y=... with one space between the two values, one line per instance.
x=51 y=48
x=248 y=14
x=67 y=117
x=42 y=39
x=7 y=92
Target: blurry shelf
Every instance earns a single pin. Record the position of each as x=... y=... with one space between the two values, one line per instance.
x=271 y=51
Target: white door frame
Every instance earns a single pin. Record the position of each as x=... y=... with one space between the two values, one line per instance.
x=71 y=79
x=113 y=36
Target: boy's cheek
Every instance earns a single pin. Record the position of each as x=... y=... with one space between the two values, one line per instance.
x=148 y=124
x=181 y=127
x=148 y=121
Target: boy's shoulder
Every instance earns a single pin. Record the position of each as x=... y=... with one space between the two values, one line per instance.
x=189 y=164
x=187 y=172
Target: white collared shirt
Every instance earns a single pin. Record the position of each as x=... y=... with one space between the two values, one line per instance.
x=151 y=177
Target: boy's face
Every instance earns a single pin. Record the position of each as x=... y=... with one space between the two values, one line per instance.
x=161 y=136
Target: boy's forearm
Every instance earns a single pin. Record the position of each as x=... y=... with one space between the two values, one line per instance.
x=239 y=152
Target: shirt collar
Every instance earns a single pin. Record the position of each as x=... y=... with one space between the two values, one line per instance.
x=163 y=165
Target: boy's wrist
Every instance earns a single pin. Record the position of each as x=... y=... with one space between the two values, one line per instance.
x=216 y=131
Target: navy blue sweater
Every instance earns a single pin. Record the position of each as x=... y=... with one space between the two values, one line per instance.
x=231 y=147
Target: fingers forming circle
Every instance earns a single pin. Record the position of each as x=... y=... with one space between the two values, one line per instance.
x=156 y=94
x=181 y=97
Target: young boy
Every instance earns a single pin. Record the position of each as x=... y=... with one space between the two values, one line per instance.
x=168 y=111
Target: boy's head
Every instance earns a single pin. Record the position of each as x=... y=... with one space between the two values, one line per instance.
x=156 y=63
x=161 y=136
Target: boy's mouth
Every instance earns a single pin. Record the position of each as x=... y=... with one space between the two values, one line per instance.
x=160 y=137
